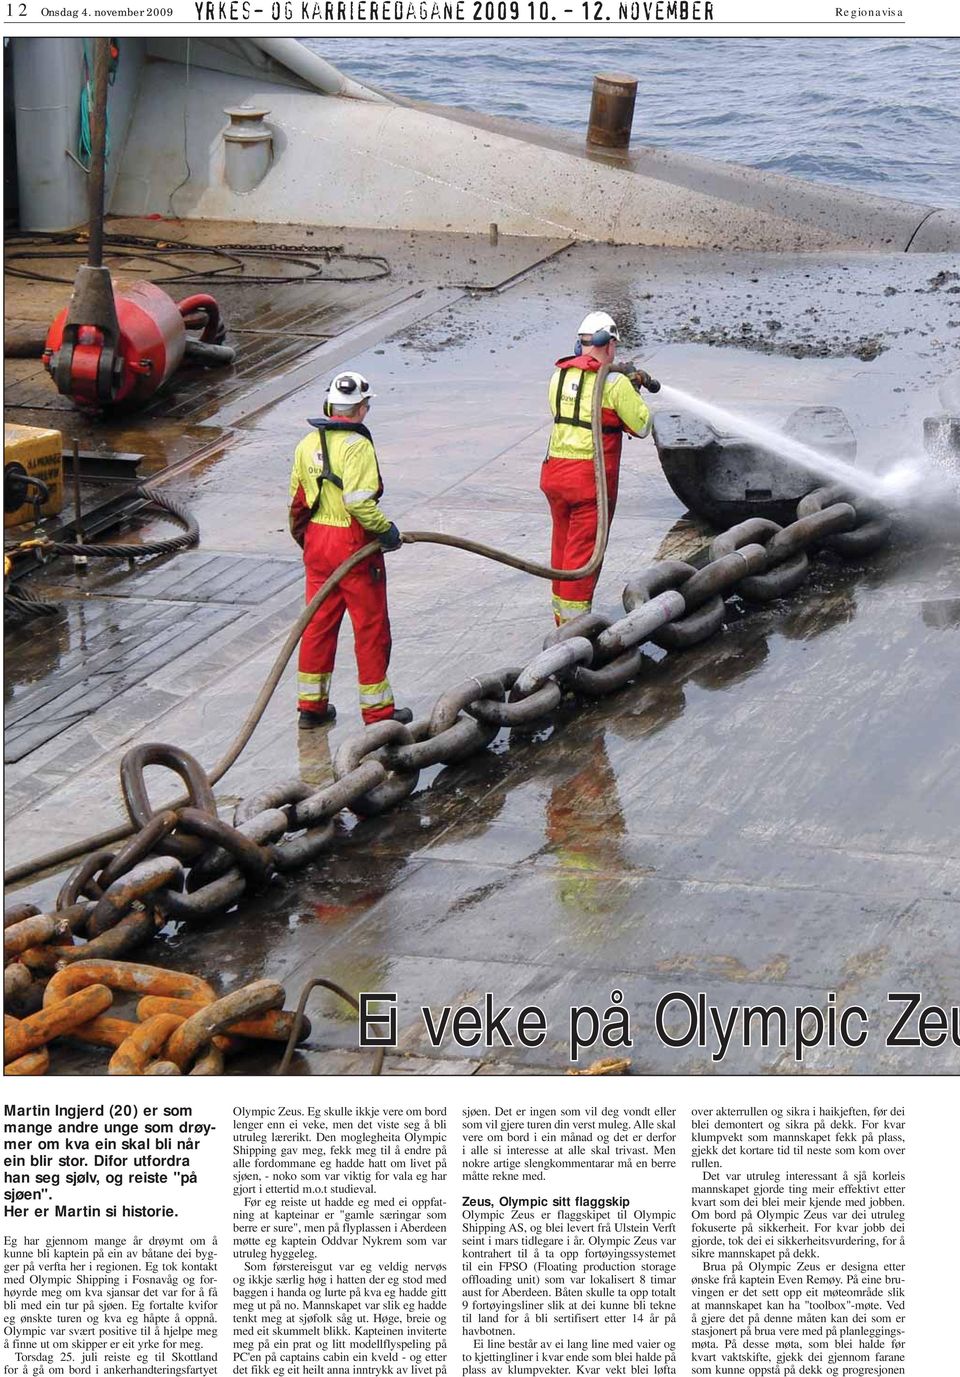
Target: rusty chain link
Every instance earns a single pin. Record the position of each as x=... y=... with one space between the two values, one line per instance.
x=188 y=864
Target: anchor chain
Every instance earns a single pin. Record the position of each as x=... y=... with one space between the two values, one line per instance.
x=187 y=864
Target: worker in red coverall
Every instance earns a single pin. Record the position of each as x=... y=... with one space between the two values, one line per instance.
x=335 y=488
x=567 y=478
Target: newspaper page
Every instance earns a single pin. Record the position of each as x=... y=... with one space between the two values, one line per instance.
x=562 y=980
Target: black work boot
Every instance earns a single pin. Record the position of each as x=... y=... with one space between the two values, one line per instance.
x=308 y=721
x=401 y=715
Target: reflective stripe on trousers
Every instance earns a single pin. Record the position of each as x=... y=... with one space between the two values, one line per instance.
x=374 y=696
x=570 y=488
x=565 y=609
x=313 y=688
x=363 y=595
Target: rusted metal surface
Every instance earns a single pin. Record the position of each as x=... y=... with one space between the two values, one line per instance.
x=672 y=603
x=209 y=899
x=150 y=875
x=137 y=849
x=128 y=975
x=132 y=930
x=98 y=149
x=77 y=996
x=255 y=862
x=137 y=799
x=104 y=1031
x=209 y=1063
x=143 y=1045
x=611 y=110
x=42 y=960
x=268 y=825
x=81 y=881
x=299 y=1021
x=33 y=932
x=273 y=1026
x=17 y=980
x=51 y=1022
x=16 y=913
x=193 y=1037
x=30 y=1064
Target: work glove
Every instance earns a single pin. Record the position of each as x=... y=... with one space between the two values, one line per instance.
x=639 y=377
x=390 y=539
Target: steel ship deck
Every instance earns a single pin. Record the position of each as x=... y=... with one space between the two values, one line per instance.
x=770 y=818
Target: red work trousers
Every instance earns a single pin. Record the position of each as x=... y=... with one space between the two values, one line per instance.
x=570 y=489
x=363 y=594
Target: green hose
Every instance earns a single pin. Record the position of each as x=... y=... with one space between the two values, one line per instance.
x=63 y=854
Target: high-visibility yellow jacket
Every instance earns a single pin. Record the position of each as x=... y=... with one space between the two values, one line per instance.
x=347 y=491
x=571 y=402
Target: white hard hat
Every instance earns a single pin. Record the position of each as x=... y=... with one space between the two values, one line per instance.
x=597 y=321
x=349 y=389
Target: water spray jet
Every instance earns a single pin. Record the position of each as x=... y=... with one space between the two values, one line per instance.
x=821 y=464
x=726 y=465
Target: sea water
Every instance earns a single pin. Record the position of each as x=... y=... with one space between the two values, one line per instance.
x=873 y=114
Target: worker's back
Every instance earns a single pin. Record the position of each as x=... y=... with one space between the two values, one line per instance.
x=571 y=394
x=350 y=478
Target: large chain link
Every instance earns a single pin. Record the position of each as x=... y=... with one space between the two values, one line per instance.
x=188 y=864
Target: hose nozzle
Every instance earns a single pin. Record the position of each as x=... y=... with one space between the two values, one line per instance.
x=641 y=378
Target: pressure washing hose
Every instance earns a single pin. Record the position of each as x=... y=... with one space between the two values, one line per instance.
x=529 y=566
x=74 y=850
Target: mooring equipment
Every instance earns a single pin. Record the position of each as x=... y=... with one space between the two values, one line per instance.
x=108 y=349
x=725 y=477
x=182 y=861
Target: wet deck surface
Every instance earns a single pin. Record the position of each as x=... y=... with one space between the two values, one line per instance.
x=769 y=818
